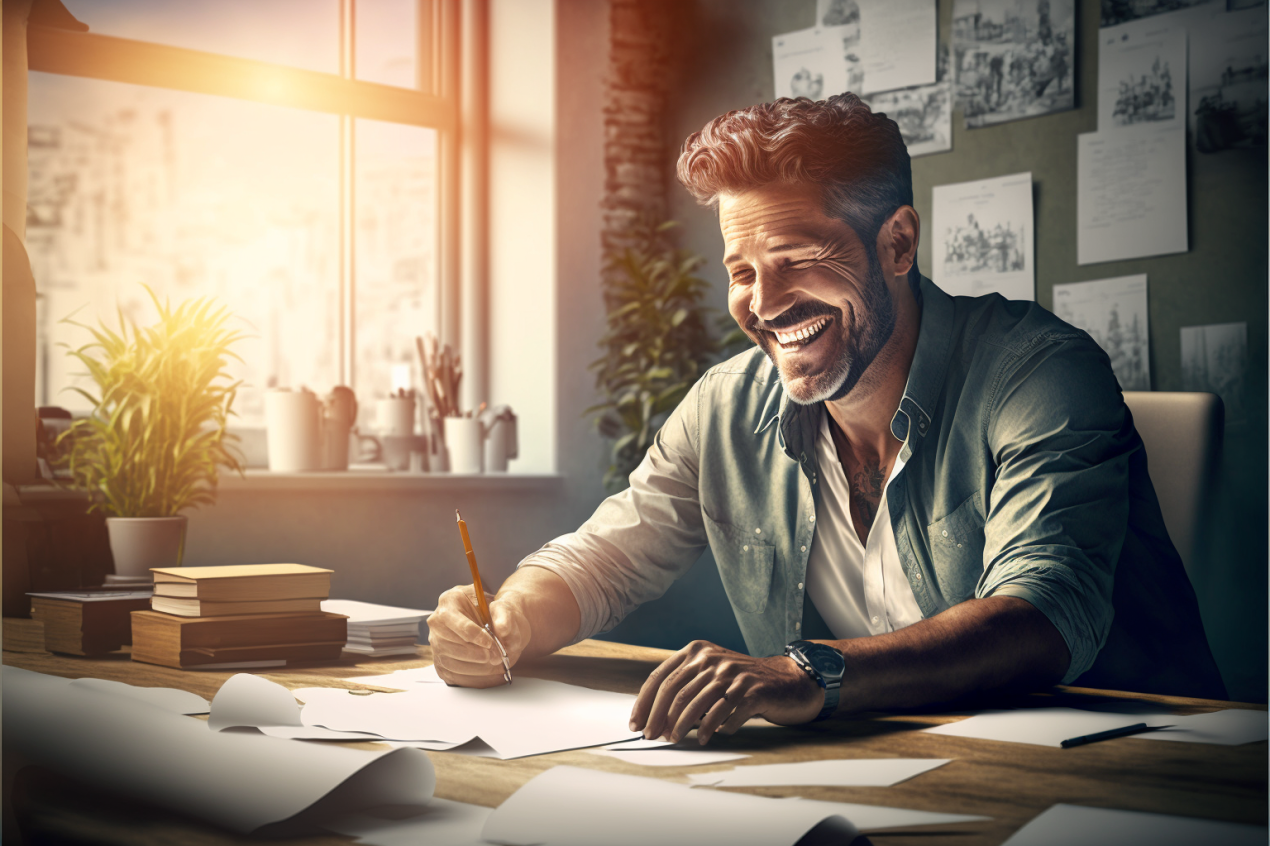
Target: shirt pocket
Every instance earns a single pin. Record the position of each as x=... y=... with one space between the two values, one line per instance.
x=956 y=546
x=745 y=565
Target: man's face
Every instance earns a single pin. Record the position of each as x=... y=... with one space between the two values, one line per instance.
x=804 y=287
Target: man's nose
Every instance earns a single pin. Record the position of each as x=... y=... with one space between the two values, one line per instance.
x=770 y=296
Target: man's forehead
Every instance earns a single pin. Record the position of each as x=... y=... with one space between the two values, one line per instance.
x=790 y=214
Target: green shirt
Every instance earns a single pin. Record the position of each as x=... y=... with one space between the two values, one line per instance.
x=1023 y=476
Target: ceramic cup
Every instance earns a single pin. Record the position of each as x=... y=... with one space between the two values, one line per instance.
x=463 y=443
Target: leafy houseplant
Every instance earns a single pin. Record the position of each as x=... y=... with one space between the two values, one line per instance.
x=156 y=436
x=657 y=342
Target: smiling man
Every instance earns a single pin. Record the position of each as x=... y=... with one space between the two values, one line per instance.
x=911 y=497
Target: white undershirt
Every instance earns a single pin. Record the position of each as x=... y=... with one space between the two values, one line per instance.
x=859 y=589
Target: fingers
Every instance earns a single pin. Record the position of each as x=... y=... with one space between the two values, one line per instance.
x=462 y=650
x=511 y=626
x=648 y=691
x=718 y=713
x=698 y=697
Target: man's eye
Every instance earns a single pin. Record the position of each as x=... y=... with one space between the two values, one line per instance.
x=742 y=278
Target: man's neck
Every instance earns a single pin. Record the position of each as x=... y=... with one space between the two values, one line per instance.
x=864 y=415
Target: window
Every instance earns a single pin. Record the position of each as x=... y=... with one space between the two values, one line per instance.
x=283 y=156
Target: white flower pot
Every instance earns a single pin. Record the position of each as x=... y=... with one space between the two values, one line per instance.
x=139 y=543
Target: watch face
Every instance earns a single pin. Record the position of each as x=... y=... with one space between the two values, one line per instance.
x=827 y=660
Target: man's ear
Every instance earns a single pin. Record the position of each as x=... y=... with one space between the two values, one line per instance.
x=897 y=242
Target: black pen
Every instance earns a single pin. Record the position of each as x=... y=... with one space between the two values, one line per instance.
x=1137 y=728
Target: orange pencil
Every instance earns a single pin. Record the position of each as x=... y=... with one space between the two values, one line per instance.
x=487 y=621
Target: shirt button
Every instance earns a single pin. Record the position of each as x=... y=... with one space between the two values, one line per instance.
x=745 y=548
x=804 y=549
x=919 y=577
x=811 y=519
x=758 y=531
x=945 y=533
x=875 y=621
x=800 y=585
x=959 y=546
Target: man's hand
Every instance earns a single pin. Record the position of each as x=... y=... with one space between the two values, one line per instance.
x=464 y=653
x=722 y=689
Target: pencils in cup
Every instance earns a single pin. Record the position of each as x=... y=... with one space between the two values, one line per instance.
x=482 y=605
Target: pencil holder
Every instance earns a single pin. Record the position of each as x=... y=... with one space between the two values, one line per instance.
x=463 y=442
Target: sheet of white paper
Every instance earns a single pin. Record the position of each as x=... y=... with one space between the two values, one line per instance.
x=1227 y=728
x=894 y=40
x=984 y=238
x=167 y=698
x=439 y=823
x=239 y=781
x=1039 y=726
x=638 y=743
x=401 y=679
x=1114 y=313
x=1140 y=75
x=852 y=772
x=817 y=62
x=529 y=717
x=565 y=806
x=250 y=701
x=369 y=612
x=876 y=817
x=96 y=595
x=678 y=757
x=1063 y=825
x=923 y=114
x=1131 y=193
x=1215 y=359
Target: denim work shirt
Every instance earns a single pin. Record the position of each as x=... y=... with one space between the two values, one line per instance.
x=1023 y=476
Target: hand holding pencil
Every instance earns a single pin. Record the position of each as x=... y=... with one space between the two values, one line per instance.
x=476 y=638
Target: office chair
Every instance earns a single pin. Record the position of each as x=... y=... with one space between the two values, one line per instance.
x=1182 y=433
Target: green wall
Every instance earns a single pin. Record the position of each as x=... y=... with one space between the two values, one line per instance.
x=723 y=55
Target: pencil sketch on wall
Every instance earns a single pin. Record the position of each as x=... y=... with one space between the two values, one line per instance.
x=982 y=237
x=1228 y=76
x=810 y=63
x=1121 y=11
x=1215 y=359
x=886 y=44
x=923 y=112
x=1013 y=58
x=1141 y=74
x=1147 y=97
x=1114 y=313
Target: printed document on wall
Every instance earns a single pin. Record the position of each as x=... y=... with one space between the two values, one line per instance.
x=983 y=237
x=1114 y=313
x=1141 y=75
x=817 y=62
x=1131 y=193
x=886 y=44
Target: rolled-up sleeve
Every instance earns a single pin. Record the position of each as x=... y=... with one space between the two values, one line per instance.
x=640 y=540
x=1061 y=439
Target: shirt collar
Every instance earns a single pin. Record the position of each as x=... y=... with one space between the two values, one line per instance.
x=797 y=423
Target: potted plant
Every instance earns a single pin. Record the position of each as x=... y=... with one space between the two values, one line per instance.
x=657 y=341
x=155 y=439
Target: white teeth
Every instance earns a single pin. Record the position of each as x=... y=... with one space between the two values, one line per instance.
x=802 y=334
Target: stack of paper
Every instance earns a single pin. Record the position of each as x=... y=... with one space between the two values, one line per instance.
x=375 y=630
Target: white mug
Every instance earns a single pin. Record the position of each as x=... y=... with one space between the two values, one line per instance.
x=395 y=416
x=292 y=433
x=463 y=443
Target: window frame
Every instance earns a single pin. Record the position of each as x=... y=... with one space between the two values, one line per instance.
x=433 y=104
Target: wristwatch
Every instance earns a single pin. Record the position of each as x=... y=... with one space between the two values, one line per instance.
x=824 y=664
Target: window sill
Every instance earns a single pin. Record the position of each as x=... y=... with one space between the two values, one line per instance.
x=384 y=480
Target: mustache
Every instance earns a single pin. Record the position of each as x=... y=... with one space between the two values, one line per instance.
x=792 y=316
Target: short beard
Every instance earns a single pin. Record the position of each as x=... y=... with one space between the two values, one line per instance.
x=867 y=333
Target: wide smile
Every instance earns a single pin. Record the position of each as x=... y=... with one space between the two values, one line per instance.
x=801 y=336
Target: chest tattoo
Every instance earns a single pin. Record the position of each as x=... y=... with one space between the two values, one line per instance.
x=866 y=491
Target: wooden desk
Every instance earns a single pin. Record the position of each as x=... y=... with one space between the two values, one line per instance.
x=1009 y=782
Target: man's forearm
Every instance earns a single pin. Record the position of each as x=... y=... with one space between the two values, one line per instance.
x=549 y=606
x=997 y=643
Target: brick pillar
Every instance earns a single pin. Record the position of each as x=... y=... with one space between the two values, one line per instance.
x=635 y=98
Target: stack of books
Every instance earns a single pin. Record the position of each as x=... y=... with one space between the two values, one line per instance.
x=242 y=615
x=376 y=630
x=86 y=622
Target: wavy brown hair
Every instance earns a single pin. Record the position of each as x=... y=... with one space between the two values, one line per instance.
x=840 y=143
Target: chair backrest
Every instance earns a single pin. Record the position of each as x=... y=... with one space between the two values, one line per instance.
x=1182 y=433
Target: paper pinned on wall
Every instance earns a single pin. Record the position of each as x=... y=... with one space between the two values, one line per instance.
x=1114 y=313
x=1065 y=824
x=894 y=40
x=852 y=772
x=1141 y=76
x=815 y=63
x=1228 y=69
x=983 y=237
x=1215 y=359
x=1131 y=193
